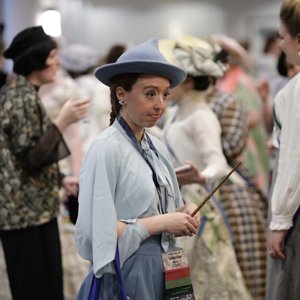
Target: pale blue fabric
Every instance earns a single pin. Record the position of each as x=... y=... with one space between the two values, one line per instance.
x=143 y=274
x=116 y=183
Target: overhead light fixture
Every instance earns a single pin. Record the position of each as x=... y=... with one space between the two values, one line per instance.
x=51 y=22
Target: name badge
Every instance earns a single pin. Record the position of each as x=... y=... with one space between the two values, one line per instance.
x=177 y=275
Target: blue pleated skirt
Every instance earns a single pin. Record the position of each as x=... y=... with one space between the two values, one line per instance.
x=143 y=274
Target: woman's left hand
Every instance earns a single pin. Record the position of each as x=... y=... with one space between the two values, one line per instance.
x=192 y=175
x=189 y=209
x=275 y=243
x=70 y=183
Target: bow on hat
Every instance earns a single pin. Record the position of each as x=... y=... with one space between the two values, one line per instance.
x=198 y=57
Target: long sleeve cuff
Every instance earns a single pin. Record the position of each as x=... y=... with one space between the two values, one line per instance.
x=280 y=222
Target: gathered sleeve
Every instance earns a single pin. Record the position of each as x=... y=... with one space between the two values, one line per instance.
x=207 y=137
x=286 y=192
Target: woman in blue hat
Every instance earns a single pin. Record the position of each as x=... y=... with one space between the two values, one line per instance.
x=129 y=200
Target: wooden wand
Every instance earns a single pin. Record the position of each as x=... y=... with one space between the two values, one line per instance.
x=214 y=190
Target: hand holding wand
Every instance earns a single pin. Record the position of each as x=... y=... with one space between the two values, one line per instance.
x=214 y=190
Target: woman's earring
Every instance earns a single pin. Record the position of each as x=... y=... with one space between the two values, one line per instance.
x=299 y=53
x=121 y=102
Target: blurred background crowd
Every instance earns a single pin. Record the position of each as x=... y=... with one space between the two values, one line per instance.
x=92 y=33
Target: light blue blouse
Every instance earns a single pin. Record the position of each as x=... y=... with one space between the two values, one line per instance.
x=116 y=184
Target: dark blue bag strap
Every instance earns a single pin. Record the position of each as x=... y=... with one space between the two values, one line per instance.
x=95 y=287
x=119 y=274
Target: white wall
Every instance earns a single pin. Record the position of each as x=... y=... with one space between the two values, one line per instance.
x=102 y=25
x=251 y=19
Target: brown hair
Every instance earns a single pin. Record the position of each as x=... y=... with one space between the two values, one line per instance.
x=126 y=81
x=202 y=83
x=290 y=16
x=114 y=53
x=269 y=42
x=2 y=46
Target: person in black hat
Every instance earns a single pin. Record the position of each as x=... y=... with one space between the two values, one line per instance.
x=129 y=194
x=31 y=146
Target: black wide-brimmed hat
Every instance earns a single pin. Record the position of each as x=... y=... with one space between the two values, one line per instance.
x=144 y=58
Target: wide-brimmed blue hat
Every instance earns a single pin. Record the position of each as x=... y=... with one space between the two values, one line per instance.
x=144 y=58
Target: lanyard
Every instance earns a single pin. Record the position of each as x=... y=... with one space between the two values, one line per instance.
x=137 y=145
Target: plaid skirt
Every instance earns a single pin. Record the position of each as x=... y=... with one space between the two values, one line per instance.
x=215 y=272
x=246 y=211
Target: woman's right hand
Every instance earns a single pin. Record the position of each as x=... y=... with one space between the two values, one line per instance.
x=191 y=175
x=72 y=111
x=180 y=224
